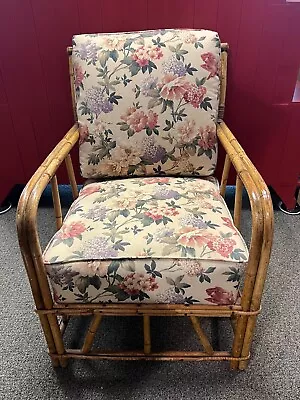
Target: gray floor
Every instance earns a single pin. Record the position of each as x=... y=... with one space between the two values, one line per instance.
x=274 y=371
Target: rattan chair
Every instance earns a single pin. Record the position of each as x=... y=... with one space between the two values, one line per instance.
x=149 y=233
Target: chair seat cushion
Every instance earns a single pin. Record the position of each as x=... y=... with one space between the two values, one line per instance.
x=153 y=239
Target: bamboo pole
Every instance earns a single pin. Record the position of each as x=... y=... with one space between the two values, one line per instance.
x=256 y=241
x=71 y=176
x=147 y=334
x=143 y=307
x=30 y=229
x=202 y=337
x=224 y=179
x=233 y=322
x=90 y=335
x=22 y=212
x=56 y=202
x=238 y=202
x=160 y=356
x=71 y=74
x=254 y=280
x=124 y=311
x=223 y=79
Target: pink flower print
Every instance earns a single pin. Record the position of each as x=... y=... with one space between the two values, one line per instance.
x=134 y=283
x=135 y=118
x=155 y=53
x=141 y=56
x=220 y=296
x=126 y=115
x=144 y=54
x=157 y=213
x=190 y=38
x=190 y=267
x=83 y=133
x=151 y=181
x=89 y=189
x=173 y=87
x=92 y=268
x=187 y=131
x=193 y=237
x=152 y=120
x=229 y=224
x=138 y=120
x=72 y=230
x=195 y=95
x=223 y=246
x=112 y=44
x=78 y=75
x=208 y=137
x=211 y=64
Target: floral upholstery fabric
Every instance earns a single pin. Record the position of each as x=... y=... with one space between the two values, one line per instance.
x=152 y=239
x=147 y=102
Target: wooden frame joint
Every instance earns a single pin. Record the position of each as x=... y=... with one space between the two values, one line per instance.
x=247 y=313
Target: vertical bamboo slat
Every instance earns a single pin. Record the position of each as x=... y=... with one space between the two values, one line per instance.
x=226 y=169
x=71 y=74
x=238 y=202
x=56 y=202
x=147 y=334
x=71 y=176
x=223 y=79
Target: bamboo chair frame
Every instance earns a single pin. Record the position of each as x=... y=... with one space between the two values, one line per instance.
x=54 y=317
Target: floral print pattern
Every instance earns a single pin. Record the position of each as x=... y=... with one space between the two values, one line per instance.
x=146 y=280
x=147 y=100
x=152 y=239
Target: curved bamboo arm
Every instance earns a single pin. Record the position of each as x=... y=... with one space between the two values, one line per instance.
x=268 y=214
x=254 y=282
x=35 y=271
x=256 y=210
x=26 y=206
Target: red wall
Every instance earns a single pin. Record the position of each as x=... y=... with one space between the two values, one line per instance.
x=264 y=37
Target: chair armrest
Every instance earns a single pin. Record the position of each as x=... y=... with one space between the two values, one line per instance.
x=261 y=203
x=261 y=241
x=26 y=218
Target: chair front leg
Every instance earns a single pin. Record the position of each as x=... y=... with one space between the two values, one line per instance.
x=248 y=337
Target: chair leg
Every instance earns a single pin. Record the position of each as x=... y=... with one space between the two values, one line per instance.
x=201 y=335
x=90 y=335
x=147 y=335
x=248 y=341
x=49 y=339
x=238 y=340
x=233 y=322
x=55 y=362
x=58 y=340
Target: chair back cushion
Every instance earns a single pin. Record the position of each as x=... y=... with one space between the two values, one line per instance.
x=147 y=102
